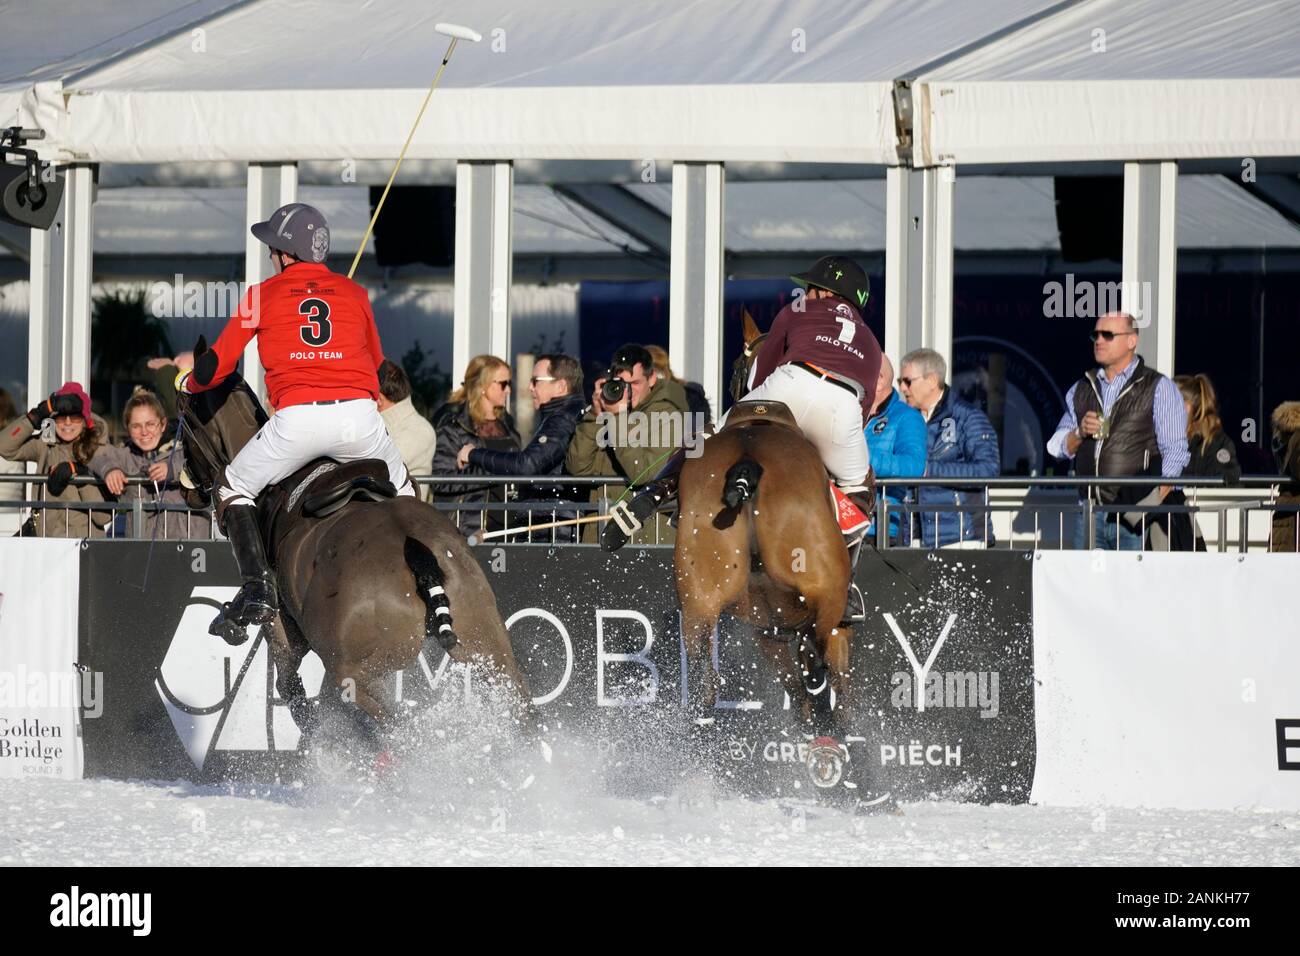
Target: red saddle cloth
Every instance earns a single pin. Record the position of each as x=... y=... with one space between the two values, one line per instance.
x=850 y=515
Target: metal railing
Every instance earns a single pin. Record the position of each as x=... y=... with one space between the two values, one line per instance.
x=1018 y=513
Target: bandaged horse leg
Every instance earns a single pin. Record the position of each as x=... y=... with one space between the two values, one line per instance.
x=629 y=517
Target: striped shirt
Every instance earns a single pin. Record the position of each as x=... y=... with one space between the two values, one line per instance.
x=1167 y=411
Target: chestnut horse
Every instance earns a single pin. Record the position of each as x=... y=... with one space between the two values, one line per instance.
x=758 y=538
x=353 y=585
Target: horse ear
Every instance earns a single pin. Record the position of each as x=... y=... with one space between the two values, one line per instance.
x=200 y=346
x=751 y=327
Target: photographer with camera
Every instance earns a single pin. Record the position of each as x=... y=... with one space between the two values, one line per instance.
x=627 y=433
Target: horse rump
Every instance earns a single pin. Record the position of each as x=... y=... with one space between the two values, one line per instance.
x=429 y=583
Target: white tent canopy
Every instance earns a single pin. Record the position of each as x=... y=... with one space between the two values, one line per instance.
x=715 y=80
x=798 y=81
x=1122 y=79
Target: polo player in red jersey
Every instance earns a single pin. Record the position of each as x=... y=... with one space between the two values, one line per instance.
x=317 y=340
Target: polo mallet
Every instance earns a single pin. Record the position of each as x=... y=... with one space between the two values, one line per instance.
x=457 y=33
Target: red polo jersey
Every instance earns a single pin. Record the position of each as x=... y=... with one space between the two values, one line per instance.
x=316 y=337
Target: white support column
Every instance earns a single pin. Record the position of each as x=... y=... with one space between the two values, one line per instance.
x=45 y=312
x=1151 y=258
x=484 y=262
x=697 y=276
x=79 y=243
x=61 y=270
x=270 y=186
x=919 y=260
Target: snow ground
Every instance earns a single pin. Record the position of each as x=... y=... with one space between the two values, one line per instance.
x=467 y=790
x=101 y=822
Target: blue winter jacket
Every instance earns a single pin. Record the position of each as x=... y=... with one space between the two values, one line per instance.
x=896 y=441
x=962 y=444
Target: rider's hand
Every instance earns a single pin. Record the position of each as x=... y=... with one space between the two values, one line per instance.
x=157 y=471
x=156 y=363
x=115 y=481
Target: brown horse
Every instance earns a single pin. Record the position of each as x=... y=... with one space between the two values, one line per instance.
x=758 y=538
x=355 y=585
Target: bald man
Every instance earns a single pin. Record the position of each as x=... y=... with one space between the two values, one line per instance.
x=896 y=440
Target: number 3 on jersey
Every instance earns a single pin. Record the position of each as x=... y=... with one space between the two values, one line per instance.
x=316 y=331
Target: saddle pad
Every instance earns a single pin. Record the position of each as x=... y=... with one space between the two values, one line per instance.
x=850 y=515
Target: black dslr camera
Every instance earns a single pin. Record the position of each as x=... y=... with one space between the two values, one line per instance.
x=612 y=389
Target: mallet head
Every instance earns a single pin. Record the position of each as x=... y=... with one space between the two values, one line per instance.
x=457 y=31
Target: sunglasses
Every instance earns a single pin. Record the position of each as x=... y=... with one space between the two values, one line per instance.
x=541 y=378
x=505 y=384
x=907 y=382
x=1106 y=334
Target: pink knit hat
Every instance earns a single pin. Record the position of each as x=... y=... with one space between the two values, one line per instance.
x=74 y=388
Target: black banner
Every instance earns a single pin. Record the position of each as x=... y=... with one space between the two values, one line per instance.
x=942 y=688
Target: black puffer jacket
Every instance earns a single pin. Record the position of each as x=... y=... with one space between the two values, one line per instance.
x=544 y=454
x=1219 y=457
x=455 y=429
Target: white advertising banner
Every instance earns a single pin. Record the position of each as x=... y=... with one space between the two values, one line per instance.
x=1167 y=680
x=41 y=690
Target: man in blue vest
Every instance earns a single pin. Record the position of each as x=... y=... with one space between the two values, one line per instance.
x=1122 y=418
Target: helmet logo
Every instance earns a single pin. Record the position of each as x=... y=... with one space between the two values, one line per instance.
x=320 y=244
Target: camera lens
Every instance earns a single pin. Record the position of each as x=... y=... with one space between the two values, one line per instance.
x=611 y=393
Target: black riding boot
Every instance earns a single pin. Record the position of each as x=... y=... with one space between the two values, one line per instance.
x=627 y=518
x=256 y=602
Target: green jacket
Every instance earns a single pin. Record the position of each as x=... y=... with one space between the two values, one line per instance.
x=634 y=446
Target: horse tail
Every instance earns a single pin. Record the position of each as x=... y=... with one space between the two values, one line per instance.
x=429 y=584
x=742 y=482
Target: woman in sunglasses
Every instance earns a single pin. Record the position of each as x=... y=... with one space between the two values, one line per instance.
x=61 y=436
x=476 y=413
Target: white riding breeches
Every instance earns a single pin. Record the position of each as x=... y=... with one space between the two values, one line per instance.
x=829 y=416
x=344 y=431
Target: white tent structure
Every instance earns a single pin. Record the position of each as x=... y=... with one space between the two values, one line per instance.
x=693 y=91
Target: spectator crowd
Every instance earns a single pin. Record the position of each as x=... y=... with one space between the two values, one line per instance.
x=1122 y=419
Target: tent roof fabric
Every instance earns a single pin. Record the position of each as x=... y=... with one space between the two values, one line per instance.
x=762 y=81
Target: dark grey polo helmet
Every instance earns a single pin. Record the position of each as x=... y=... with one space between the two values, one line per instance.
x=297 y=229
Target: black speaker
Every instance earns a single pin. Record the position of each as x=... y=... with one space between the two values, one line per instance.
x=418 y=224
x=1090 y=217
x=25 y=206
